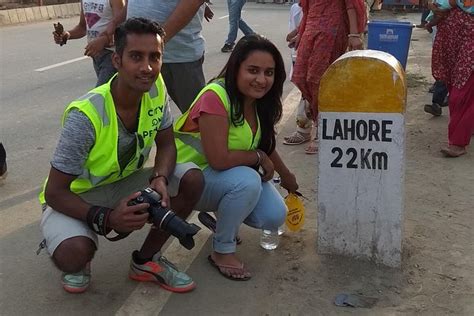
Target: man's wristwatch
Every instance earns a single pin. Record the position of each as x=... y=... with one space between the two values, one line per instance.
x=157 y=175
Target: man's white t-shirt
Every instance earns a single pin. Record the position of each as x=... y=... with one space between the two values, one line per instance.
x=98 y=14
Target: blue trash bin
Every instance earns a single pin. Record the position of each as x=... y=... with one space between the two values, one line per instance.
x=392 y=37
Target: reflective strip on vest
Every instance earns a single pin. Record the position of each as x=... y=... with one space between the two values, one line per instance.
x=192 y=141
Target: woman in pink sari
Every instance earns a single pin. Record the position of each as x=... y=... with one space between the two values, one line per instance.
x=328 y=28
x=453 y=62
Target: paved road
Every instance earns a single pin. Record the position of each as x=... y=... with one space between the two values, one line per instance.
x=33 y=93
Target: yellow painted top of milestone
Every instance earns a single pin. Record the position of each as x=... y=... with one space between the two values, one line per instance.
x=364 y=81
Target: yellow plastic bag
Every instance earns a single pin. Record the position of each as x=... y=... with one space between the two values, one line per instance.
x=295 y=215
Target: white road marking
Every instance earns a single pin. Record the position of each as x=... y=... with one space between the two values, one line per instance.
x=62 y=63
x=289 y=107
x=19 y=216
x=226 y=16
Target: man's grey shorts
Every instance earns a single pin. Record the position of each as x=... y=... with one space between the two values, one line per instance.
x=57 y=227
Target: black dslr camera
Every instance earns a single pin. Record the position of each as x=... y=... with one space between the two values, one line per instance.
x=166 y=219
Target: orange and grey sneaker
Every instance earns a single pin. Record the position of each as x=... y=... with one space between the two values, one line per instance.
x=161 y=271
x=77 y=282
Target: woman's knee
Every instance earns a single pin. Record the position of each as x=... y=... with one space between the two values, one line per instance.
x=276 y=219
x=246 y=178
x=72 y=254
x=270 y=217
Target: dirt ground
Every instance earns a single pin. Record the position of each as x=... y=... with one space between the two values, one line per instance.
x=437 y=274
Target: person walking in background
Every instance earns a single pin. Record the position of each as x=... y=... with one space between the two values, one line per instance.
x=452 y=62
x=439 y=99
x=235 y=23
x=184 y=44
x=328 y=28
x=304 y=122
x=439 y=88
x=229 y=131
x=97 y=21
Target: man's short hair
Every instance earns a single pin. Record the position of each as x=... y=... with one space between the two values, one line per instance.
x=135 y=26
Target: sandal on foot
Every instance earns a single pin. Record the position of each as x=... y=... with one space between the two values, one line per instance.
x=296 y=138
x=312 y=148
x=209 y=221
x=231 y=272
x=451 y=152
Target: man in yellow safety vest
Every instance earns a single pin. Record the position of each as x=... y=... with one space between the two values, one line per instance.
x=97 y=168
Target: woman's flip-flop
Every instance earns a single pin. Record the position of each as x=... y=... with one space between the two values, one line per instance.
x=209 y=221
x=227 y=270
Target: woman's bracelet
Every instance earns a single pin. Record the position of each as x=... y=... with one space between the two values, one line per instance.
x=354 y=35
x=259 y=158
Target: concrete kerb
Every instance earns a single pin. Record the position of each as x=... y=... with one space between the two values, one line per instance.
x=37 y=13
x=34 y=14
x=51 y=14
x=57 y=10
x=44 y=13
x=21 y=15
x=4 y=18
x=13 y=16
x=30 y=17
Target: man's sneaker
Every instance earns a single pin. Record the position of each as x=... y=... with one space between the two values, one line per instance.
x=163 y=272
x=227 y=48
x=77 y=282
x=433 y=109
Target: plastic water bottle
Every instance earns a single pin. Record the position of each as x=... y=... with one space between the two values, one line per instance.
x=276 y=182
x=269 y=239
x=281 y=230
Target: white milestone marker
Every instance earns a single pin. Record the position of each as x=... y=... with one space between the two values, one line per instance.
x=362 y=157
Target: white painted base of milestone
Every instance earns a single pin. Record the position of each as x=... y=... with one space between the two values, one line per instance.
x=360 y=187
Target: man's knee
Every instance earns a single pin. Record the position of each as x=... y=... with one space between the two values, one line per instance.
x=72 y=254
x=191 y=185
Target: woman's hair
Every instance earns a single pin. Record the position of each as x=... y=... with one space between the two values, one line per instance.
x=269 y=107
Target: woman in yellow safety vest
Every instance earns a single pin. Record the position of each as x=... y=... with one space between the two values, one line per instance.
x=229 y=131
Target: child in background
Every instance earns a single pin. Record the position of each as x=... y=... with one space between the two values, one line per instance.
x=303 y=117
x=433 y=20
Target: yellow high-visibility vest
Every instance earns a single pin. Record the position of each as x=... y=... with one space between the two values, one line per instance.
x=102 y=165
x=188 y=144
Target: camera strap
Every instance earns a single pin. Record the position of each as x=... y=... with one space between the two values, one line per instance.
x=97 y=219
